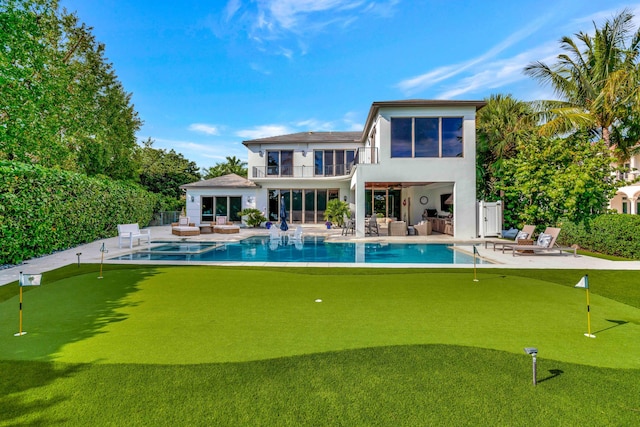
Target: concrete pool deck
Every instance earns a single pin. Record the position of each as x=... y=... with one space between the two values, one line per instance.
x=90 y=253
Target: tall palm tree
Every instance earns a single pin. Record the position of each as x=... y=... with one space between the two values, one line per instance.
x=597 y=80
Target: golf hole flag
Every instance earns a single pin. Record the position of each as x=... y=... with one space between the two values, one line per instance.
x=584 y=283
x=30 y=279
x=26 y=280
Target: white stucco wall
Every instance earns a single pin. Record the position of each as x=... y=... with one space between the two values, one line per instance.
x=457 y=172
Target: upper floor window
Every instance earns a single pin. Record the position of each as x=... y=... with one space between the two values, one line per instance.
x=426 y=137
x=333 y=162
x=280 y=163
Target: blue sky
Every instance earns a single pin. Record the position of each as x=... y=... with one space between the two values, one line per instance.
x=206 y=75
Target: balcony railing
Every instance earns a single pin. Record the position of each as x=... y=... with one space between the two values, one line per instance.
x=367 y=156
x=300 y=171
x=364 y=155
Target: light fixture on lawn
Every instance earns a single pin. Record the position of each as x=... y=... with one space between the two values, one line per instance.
x=533 y=352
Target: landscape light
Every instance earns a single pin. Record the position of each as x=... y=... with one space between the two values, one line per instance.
x=533 y=352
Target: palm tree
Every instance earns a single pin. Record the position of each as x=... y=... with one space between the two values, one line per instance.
x=500 y=125
x=232 y=165
x=597 y=79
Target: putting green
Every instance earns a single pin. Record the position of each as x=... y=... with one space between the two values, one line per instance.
x=191 y=315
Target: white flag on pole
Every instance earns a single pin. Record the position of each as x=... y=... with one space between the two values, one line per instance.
x=30 y=279
x=583 y=283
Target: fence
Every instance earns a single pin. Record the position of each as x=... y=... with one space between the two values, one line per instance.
x=164 y=218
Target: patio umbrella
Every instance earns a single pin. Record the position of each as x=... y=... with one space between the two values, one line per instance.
x=283 y=215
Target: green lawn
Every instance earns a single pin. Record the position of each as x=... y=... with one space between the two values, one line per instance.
x=230 y=346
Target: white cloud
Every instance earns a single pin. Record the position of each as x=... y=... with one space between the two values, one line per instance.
x=231 y=8
x=264 y=131
x=204 y=128
x=294 y=21
x=426 y=80
x=315 y=125
x=500 y=73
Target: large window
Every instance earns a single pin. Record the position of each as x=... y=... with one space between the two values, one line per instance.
x=280 y=163
x=228 y=206
x=303 y=206
x=426 y=137
x=333 y=162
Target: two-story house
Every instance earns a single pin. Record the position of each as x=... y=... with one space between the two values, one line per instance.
x=412 y=156
x=627 y=198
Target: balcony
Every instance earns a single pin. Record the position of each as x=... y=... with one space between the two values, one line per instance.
x=289 y=172
x=363 y=155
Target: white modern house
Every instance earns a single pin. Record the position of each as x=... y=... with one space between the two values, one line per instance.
x=627 y=198
x=413 y=157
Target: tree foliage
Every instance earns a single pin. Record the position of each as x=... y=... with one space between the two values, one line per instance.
x=501 y=125
x=553 y=178
x=163 y=171
x=62 y=104
x=232 y=165
x=598 y=80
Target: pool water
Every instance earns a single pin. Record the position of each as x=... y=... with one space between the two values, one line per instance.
x=311 y=249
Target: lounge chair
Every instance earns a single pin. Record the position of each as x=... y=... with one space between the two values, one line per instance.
x=525 y=233
x=546 y=243
x=184 y=228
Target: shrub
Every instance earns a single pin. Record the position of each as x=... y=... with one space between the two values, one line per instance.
x=611 y=234
x=45 y=210
x=254 y=217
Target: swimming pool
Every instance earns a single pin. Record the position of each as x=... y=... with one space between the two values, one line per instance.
x=312 y=249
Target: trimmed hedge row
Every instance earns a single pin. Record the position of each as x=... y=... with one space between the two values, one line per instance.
x=611 y=234
x=45 y=210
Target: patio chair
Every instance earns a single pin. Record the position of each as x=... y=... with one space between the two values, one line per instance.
x=131 y=232
x=297 y=235
x=349 y=226
x=526 y=233
x=423 y=228
x=274 y=234
x=546 y=243
x=371 y=226
x=397 y=228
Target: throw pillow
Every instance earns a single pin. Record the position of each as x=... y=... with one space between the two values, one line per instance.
x=544 y=240
x=522 y=235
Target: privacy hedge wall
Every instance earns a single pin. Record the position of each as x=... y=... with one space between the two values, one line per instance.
x=611 y=234
x=45 y=210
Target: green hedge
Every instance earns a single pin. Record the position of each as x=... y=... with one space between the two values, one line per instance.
x=45 y=210
x=611 y=234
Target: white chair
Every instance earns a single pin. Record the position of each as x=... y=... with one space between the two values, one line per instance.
x=132 y=231
x=297 y=235
x=274 y=234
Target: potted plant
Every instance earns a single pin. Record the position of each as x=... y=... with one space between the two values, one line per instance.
x=335 y=212
x=328 y=224
x=254 y=217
